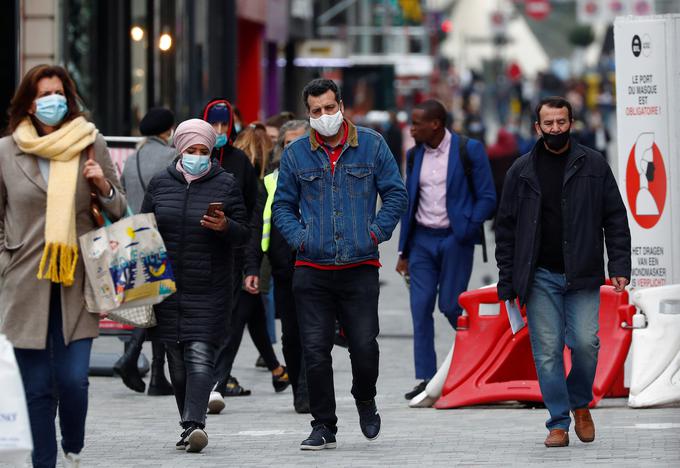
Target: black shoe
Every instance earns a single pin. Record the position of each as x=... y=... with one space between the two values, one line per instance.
x=159 y=385
x=416 y=390
x=260 y=362
x=193 y=439
x=182 y=443
x=128 y=371
x=320 y=438
x=369 y=419
x=234 y=389
x=281 y=381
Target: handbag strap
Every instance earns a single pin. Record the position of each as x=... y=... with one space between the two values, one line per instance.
x=95 y=205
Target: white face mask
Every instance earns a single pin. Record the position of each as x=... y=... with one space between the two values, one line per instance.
x=327 y=125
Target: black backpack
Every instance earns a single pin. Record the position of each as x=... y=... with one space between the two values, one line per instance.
x=467 y=169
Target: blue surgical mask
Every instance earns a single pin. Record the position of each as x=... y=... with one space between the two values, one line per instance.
x=195 y=164
x=51 y=109
x=221 y=140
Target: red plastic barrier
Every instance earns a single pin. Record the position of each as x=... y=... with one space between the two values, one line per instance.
x=109 y=327
x=490 y=364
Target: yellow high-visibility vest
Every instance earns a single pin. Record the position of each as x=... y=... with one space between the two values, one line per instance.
x=269 y=185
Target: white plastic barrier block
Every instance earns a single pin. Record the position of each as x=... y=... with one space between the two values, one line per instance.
x=655 y=372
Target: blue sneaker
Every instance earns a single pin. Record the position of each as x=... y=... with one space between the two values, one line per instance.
x=369 y=419
x=320 y=438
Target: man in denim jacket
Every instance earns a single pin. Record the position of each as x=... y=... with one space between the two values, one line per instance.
x=325 y=207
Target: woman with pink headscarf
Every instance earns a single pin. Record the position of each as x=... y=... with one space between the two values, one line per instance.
x=193 y=321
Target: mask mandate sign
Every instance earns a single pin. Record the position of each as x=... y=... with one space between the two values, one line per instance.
x=648 y=116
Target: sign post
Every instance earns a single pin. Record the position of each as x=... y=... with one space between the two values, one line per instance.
x=648 y=118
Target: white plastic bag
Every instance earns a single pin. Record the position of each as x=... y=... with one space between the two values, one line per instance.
x=15 y=428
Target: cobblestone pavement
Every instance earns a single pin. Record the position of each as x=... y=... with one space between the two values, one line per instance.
x=126 y=429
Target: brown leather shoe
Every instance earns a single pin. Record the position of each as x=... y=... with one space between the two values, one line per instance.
x=557 y=438
x=583 y=425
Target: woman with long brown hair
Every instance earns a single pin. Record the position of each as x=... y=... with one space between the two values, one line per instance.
x=46 y=179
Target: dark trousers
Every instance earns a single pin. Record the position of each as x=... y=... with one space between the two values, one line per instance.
x=191 y=367
x=249 y=311
x=55 y=378
x=284 y=302
x=352 y=294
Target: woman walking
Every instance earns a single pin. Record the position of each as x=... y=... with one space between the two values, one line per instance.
x=45 y=182
x=201 y=217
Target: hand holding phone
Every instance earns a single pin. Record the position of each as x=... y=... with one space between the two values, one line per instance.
x=213 y=207
x=214 y=217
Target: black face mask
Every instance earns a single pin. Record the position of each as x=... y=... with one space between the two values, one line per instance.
x=556 y=142
x=650 y=171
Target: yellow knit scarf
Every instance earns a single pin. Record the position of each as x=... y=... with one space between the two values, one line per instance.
x=62 y=148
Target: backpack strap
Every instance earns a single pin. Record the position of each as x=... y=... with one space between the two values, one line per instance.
x=466 y=162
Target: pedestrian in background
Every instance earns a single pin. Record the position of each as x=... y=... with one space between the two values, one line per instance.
x=440 y=227
x=560 y=201
x=249 y=306
x=282 y=260
x=45 y=182
x=224 y=119
x=200 y=243
x=325 y=207
x=153 y=155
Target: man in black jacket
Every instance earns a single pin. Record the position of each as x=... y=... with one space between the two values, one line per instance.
x=559 y=202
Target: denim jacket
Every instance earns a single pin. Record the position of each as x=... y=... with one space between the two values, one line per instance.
x=329 y=216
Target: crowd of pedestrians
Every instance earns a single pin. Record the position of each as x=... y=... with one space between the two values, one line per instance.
x=289 y=209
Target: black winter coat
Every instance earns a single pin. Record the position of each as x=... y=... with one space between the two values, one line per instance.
x=201 y=258
x=592 y=213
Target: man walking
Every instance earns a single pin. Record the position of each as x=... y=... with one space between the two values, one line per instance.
x=325 y=207
x=451 y=193
x=559 y=202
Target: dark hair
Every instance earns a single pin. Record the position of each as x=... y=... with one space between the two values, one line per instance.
x=318 y=87
x=556 y=102
x=433 y=110
x=28 y=89
x=277 y=120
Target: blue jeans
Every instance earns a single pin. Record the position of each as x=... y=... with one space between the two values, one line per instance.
x=56 y=378
x=556 y=317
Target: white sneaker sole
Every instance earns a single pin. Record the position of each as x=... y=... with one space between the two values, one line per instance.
x=215 y=404
x=197 y=440
x=329 y=445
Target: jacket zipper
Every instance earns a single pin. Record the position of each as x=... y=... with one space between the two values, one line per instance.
x=181 y=259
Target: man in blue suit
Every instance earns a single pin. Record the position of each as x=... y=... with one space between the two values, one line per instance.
x=441 y=226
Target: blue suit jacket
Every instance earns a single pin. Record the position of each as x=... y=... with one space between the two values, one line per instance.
x=466 y=212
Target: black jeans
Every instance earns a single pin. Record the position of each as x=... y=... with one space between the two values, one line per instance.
x=191 y=367
x=353 y=295
x=284 y=302
x=249 y=311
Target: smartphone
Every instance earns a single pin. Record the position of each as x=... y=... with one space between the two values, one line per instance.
x=213 y=207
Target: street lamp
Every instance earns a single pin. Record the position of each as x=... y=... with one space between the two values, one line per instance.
x=165 y=42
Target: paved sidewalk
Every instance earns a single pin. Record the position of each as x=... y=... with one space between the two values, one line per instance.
x=132 y=430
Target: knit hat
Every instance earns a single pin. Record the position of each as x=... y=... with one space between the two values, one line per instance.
x=218 y=113
x=194 y=132
x=156 y=121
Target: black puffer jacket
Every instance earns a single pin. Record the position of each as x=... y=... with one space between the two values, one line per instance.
x=201 y=258
x=592 y=213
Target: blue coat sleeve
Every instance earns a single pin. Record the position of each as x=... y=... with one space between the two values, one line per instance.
x=286 y=205
x=392 y=191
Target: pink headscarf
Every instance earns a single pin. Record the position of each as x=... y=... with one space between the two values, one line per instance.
x=194 y=132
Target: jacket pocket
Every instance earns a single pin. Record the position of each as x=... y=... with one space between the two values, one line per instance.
x=311 y=183
x=6 y=255
x=359 y=180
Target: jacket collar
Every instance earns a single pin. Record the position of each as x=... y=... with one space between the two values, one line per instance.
x=352 y=136
x=572 y=165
